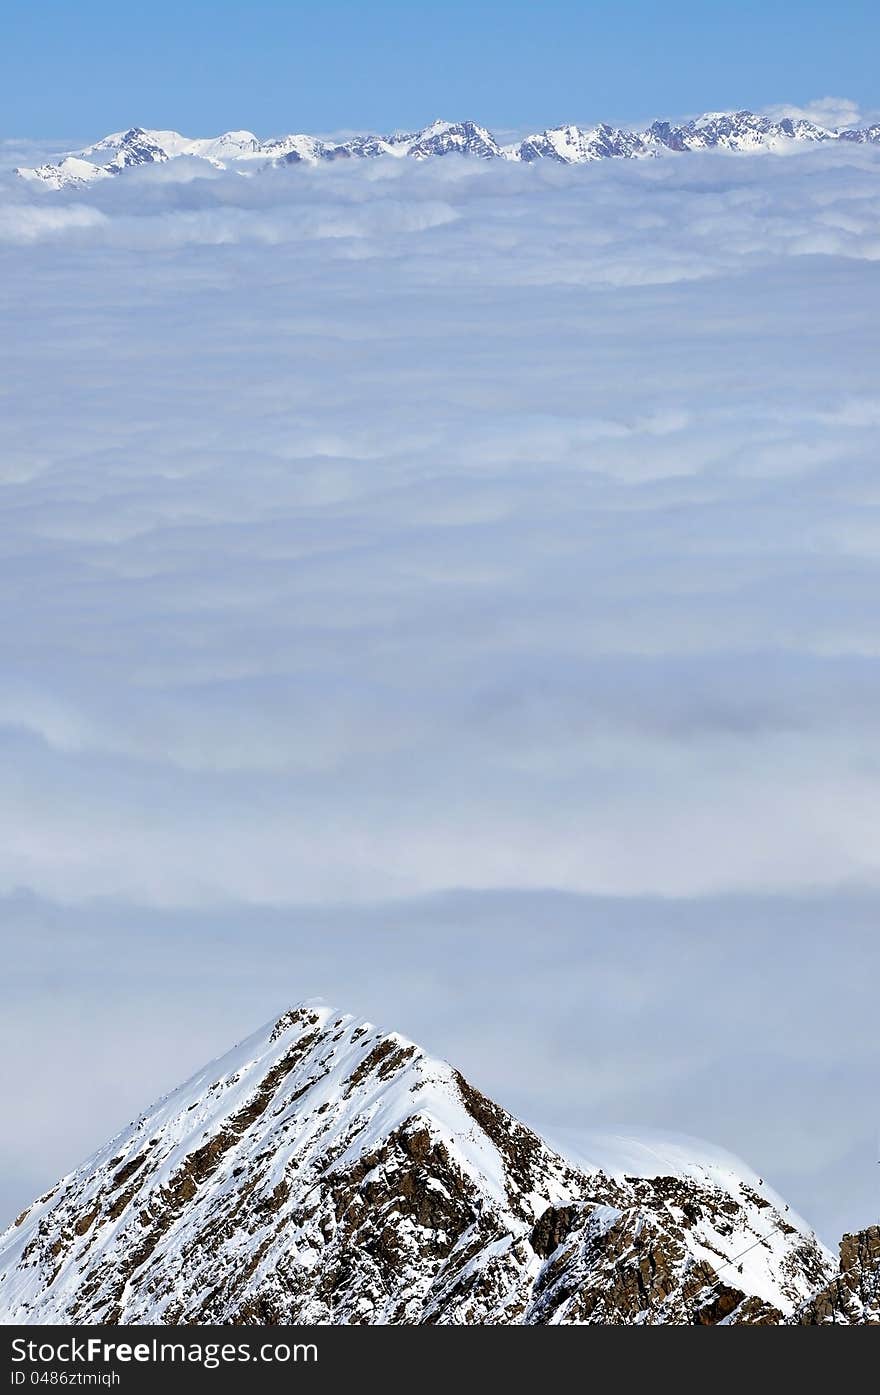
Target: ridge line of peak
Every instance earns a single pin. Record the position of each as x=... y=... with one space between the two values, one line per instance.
x=741 y=131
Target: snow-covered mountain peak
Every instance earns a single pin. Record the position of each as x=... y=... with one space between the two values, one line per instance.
x=437 y=128
x=326 y=1171
x=739 y=131
x=70 y=173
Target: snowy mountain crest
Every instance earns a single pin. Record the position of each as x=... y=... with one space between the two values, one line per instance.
x=328 y=1172
x=741 y=131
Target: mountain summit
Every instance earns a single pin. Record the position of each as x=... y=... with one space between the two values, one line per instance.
x=569 y=145
x=328 y=1172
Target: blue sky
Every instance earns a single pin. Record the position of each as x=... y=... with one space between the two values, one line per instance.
x=80 y=70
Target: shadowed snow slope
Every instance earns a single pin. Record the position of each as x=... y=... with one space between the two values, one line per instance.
x=324 y=1171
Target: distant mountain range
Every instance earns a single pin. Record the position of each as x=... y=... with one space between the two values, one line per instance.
x=328 y=1172
x=570 y=145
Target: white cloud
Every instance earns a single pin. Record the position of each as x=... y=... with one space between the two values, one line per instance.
x=835 y=113
x=375 y=532
x=32 y=222
x=393 y=573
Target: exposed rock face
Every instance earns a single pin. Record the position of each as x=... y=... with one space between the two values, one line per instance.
x=462 y=138
x=854 y=1295
x=326 y=1172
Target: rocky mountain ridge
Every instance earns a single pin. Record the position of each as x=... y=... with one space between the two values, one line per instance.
x=327 y=1172
x=741 y=131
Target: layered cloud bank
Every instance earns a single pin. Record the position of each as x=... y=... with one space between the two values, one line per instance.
x=379 y=530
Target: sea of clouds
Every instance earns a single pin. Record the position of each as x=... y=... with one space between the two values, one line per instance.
x=428 y=570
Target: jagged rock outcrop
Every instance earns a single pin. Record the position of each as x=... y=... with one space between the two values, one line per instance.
x=853 y=1296
x=327 y=1172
